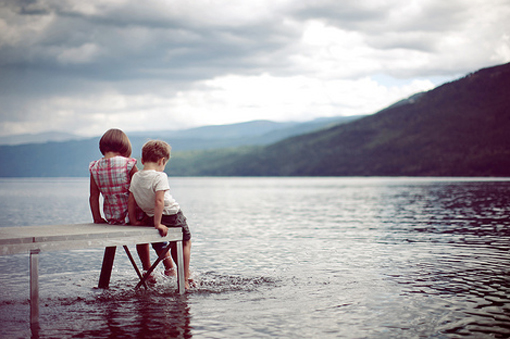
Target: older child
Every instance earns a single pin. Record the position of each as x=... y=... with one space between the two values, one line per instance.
x=151 y=192
x=111 y=176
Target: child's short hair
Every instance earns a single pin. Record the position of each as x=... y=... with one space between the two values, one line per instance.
x=114 y=140
x=153 y=150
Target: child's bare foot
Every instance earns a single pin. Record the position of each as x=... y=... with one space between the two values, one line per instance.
x=150 y=280
x=170 y=272
x=189 y=283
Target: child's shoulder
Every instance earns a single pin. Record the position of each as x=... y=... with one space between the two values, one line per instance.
x=150 y=176
x=94 y=164
x=115 y=162
x=122 y=162
x=151 y=173
x=120 y=158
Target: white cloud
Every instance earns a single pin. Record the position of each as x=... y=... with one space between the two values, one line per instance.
x=264 y=96
x=502 y=50
x=226 y=99
x=79 y=66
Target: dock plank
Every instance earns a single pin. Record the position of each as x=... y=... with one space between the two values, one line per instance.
x=15 y=240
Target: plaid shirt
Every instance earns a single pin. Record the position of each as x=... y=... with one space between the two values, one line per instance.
x=112 y=178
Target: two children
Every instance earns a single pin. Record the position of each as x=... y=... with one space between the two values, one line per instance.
x=113 y=177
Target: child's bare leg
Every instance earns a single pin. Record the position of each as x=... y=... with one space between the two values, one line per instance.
x=174 y=252
x=168 y=263
x=186 y=247
x=169 y=266
x=144 y=255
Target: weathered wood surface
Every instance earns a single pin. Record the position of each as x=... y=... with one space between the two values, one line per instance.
x=22 y=239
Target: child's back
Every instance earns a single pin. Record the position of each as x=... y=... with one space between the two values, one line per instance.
x=113 y=177
x=110 y=177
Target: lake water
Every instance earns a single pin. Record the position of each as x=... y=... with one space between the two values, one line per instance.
x=281 y=258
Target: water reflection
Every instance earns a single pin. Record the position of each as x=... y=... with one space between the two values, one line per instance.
x=139 y=315
x=162 y=319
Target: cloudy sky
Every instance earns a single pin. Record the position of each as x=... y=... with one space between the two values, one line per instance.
x=85 y=66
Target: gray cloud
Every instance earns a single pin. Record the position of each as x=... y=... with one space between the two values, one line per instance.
x=185 y=57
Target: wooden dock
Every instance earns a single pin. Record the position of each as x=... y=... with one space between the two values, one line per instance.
x=36 y=239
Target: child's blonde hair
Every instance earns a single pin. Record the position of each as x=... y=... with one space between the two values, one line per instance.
x=153 y=150
x=114 y=140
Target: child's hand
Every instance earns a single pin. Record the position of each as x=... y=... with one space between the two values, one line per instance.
x=163 y=230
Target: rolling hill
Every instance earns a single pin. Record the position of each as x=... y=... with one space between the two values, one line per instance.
x=43 y=156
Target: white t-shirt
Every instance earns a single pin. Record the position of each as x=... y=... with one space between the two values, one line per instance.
x=144 y=186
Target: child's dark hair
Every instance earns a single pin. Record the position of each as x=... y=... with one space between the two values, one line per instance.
x=114 y=140
x=153 y=150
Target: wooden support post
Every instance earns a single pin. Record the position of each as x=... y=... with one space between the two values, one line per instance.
x=161 y=257
x=34 y=289
x=181 y=281
x=106 y=269
x=135 y=266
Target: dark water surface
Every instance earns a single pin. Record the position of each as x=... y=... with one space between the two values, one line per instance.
x=282 y=258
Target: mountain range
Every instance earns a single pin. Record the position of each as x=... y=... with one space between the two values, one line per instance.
x=457 y=129
x=257 y=132
x=60 y=154
x=37 y=138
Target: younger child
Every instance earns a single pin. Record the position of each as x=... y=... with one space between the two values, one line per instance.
x=150 y=191
x=111 y=176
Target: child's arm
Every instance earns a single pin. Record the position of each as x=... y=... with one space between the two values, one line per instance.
x=132 y=172
x=158 y=213
x=132 y=206
x=94 y=202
